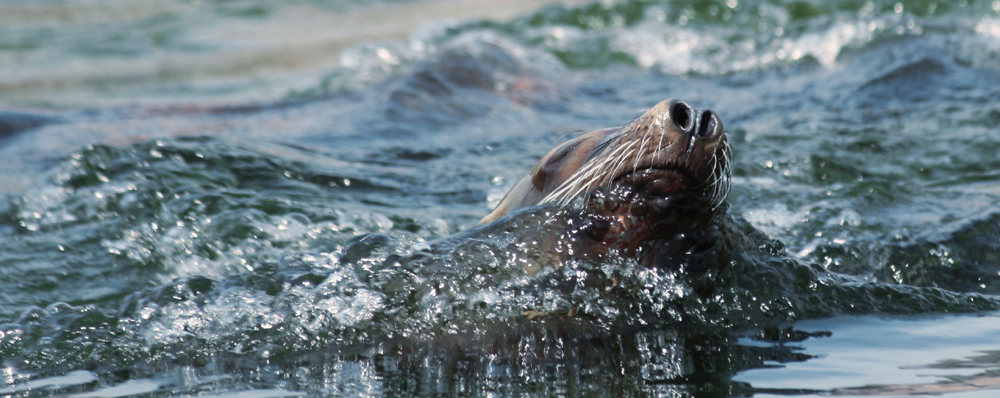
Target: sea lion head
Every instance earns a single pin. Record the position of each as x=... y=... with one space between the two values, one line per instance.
x=670 y=152
x=661 y=176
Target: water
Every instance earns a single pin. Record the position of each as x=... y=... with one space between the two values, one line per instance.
x=922 y=354
x=215 y=222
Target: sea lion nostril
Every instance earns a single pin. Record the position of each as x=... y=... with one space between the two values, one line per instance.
x=709 y=124
x=683 y=116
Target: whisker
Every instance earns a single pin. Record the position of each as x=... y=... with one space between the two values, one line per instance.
x=642 y=145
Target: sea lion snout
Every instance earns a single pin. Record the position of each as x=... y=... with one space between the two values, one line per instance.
x=689 y=122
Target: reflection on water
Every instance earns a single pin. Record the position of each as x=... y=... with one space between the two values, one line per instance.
x=951 y=356
x=890 y=356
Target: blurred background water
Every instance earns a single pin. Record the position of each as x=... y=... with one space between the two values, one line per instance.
x=234 y=196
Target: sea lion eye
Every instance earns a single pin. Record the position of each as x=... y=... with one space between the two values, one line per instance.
x=561 y=153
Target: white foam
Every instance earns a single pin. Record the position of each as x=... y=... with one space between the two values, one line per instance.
x=128 y=388
x=73 y=378
x=989 y=27
x=684 y=48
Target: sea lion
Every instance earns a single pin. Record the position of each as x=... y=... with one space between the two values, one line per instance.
x=646 y=190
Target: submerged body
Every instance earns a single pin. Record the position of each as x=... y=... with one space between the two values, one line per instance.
x=643 y=190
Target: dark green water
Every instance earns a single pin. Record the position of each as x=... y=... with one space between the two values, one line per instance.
x=295 y=247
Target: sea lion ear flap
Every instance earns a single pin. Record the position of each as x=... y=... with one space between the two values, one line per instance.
x=555 y=164
x=539 y=177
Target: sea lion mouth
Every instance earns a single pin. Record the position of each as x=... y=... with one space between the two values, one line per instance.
x=657 y=181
